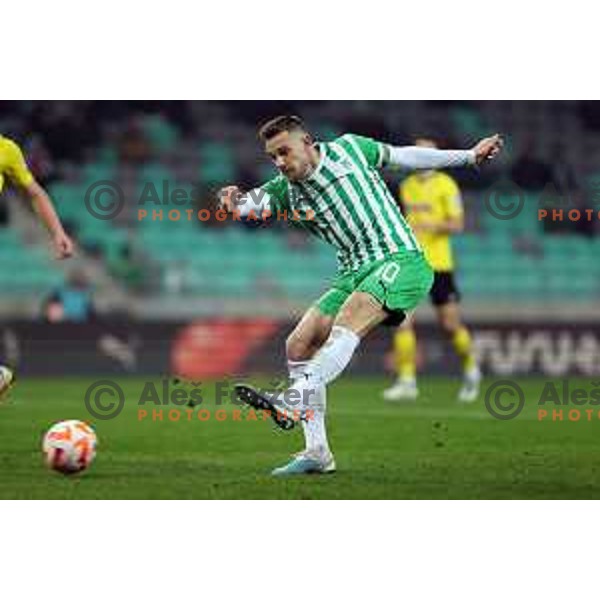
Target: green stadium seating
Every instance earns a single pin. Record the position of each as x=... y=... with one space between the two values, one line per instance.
x=162 y=134
x=98 y=171
x=35 y=275
x=216 y=163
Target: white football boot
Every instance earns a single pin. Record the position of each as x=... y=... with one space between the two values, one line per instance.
x=403 y=390
x=307 y=463
x=469 y=391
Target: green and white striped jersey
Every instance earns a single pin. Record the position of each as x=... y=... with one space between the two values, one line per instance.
x=346 y=203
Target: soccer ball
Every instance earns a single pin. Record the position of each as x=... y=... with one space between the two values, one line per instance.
x=69 y=446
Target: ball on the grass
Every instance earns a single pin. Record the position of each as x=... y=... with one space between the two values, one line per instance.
x=69 y=446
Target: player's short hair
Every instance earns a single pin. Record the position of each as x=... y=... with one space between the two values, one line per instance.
x=280 y=124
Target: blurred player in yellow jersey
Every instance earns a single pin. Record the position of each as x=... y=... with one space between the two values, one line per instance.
x=14 y=168
x=433 y=207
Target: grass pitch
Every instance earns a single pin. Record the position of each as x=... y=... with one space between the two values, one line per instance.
x=431 y=449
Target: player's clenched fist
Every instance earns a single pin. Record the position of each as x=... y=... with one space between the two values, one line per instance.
x=488 y=148
x=63 y=245
x=228 y=196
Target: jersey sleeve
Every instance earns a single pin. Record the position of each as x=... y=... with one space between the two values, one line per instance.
x=372 y=150
x=16 y=167
x=277 y=190
x=452 y=199
x=267 y=199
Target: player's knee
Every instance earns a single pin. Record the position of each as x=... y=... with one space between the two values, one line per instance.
x=406 y=327
x=296 y=349
x=449 y=323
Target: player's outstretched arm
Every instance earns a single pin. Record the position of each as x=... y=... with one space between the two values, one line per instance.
x=19 y=173
x=43 y=206
x=415 y=158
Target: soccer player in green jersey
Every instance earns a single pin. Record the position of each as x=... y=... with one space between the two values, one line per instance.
x=335 y=191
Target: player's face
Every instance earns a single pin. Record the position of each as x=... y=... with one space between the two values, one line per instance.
x=291 y=153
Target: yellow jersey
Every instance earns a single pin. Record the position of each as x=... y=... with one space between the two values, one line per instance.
x=432 y=198
x=12 y=164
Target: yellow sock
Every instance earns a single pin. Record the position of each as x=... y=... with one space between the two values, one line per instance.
x=405 y=351
x=463 y=346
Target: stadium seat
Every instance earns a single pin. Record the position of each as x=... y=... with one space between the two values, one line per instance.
x=162 y=134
